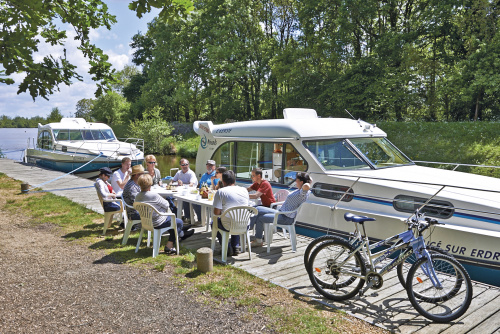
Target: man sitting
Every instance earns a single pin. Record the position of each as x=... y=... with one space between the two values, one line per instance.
x=121 y=176
x=206 y=179
x=130 y=191
x=263 y=188
x=185 y=177
x=229 y=196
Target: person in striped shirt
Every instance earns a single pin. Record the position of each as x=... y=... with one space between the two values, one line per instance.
x=292 y=202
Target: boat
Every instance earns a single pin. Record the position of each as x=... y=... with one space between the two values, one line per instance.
x=75 y=145
x=355 y=168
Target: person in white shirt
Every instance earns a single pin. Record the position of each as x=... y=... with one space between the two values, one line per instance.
x=105 y=190
x=121 y=176
x=185 y=177
x=229 y=196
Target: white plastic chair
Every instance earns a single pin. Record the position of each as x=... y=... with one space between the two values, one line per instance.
x=280 y=197
x=290 y=228
x=146 y=213
x=108 y=216
x=128 y=224
x=240 y=219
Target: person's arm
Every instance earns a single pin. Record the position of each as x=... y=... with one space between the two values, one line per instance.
x=193 y=181
x=306 y=187
x=255 y=195
x=126 y=177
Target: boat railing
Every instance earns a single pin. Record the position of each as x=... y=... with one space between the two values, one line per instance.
x=112 y=148
x=457 y=165
x=340 y=194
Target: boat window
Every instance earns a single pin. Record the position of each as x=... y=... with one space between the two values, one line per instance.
x=224 y=156
x=108 y=134
x=332 y=191
x=435 y=208
x=75 y=135
x=380 y=151
x=62 y=135
x=97 y=135
x=335 y=154
x=45 y=140
x=243 y=157
x=87 y=135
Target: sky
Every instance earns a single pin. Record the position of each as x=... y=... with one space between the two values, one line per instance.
x=114 y=42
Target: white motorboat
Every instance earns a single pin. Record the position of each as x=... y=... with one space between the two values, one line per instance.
x=355 y=168
x=76 y=145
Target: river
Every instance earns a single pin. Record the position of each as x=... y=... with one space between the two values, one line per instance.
x=13 y=141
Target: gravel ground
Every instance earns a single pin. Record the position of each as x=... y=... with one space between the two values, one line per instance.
x=48 y=285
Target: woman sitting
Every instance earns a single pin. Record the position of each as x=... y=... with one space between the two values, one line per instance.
x=292 y=202
x=217 y=179
x=152 y=170
x=159 y=203
x=105 y=190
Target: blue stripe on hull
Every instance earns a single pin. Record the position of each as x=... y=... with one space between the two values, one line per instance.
x=70 y=166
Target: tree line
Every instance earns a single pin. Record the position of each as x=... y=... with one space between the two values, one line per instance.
x=391 y=60
x=25 y=122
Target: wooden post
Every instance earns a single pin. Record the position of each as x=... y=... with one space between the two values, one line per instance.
x=205 y=259
x=24 y=188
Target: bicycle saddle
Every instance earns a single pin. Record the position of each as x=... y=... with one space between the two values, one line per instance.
x=350 y=217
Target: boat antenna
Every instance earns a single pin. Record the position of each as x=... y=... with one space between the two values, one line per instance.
x=350 y=114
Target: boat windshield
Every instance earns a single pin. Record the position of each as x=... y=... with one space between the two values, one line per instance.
x=356 y=153
x=102 y=134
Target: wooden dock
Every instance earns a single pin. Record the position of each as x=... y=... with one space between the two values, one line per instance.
x=387 y=307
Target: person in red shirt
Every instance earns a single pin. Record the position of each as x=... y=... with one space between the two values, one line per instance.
x=263 y=188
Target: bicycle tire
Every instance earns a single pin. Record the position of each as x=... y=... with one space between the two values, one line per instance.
x=403 y=268
x=442 y=304
x=331 y=279
x=313 y=244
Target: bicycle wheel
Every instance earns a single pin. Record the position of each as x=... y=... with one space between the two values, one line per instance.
x=334 y=269
x=440 y=304
x=313 y=244
x=403 y=268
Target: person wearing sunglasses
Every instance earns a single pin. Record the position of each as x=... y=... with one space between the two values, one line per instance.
x=185 y=177
x=152 y=170
x=292 y=202
x=217 y=179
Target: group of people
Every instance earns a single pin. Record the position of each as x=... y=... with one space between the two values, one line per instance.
x=134 y=184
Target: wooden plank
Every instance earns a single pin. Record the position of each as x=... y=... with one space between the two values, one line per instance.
x=490 y=325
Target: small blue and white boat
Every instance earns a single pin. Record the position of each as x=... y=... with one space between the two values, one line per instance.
x=75 y=144
x=355 y=168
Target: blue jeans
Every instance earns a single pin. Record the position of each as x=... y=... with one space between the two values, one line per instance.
x=110 y=206
x=196 y=209
x=265 y=215
x=235 y=239
x=166 y=223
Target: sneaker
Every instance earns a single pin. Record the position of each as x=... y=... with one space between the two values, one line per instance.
x=121 y=226
x=187 y=234
x=135 y=228
x=198 y=224
x=187 y=227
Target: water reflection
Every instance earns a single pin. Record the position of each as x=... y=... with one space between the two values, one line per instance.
x=165 y=163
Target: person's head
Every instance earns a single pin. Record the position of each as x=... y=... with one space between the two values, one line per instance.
x=219 y=171
x=210 y=166
x=301 y=178
x=126 y=163
x=150 y=162
x=228 y=178
x=145 y=182
x=257 y=175
x=105 y=173
x=137 y=171
x=184 y=165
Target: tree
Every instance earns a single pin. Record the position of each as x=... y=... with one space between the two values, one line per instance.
x=153 y=129
x=110 y=108
x=84 y=109
x=124 y=76
x=55 y=116
x=25 y=24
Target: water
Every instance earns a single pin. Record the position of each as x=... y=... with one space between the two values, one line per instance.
x=13 y=142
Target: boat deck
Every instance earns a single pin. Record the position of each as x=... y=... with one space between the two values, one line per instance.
x=387 y=307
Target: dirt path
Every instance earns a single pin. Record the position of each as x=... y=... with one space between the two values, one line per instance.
x=48 y=285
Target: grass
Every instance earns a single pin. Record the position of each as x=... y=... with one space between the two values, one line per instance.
x=475 y=143
x=225 y=284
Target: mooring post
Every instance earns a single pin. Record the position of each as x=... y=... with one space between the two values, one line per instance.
x=205 y=259
x=24 y=187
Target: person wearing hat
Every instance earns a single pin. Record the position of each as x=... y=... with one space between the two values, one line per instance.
x=131 y=190
x=206 y=179
x=104 y=188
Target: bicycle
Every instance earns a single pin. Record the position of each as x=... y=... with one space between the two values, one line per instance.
x=402 y=268
x=438 y=286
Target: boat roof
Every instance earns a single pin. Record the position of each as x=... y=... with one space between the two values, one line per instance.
x=301 y=123
x=75 y=124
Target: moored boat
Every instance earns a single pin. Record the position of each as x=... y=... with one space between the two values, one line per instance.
x=356 y=169
x=74 y=144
